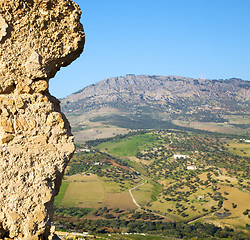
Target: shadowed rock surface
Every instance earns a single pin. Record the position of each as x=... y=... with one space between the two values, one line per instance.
x=37 y=37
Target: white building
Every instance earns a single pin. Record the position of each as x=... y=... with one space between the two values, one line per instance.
x=191 y=168
x=179 y=156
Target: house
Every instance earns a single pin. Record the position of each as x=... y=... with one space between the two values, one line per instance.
x=179 y=156
x=191 y=168
x=99 y=164
x=244 y=140
x=85 y=150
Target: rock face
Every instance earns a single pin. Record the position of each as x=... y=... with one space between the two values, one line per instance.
x=151 y=90
x=178 y=97
x=37 y=37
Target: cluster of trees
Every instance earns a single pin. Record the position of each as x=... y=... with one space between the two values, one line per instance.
x=120 y=173
x=144 y=215
x=170 y=229
x=202 y=151
x=71 y=212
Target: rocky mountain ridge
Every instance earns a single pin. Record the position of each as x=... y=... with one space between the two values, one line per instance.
x=179 y=97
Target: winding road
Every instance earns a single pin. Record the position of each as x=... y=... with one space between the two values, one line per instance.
x=131 y=194
x=133 y=198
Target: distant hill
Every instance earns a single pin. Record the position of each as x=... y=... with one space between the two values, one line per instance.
x=146 y=101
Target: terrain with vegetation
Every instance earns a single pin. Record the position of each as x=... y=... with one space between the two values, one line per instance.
x=115 y=105
x=164 y=183
x=158 y=157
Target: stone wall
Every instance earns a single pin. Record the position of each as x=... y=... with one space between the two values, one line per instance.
x=37 y=37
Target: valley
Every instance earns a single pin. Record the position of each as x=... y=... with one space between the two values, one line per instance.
x=174 y=176
x=162 y=156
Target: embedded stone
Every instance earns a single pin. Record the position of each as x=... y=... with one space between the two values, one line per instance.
x=7 y=138
x=34 y=66
x=6 y=125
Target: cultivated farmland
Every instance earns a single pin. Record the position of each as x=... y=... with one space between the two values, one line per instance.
x=174 y=176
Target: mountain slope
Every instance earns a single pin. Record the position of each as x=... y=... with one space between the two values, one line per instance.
x=162 y=98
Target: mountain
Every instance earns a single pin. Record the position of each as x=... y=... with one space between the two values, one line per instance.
x=149 y=101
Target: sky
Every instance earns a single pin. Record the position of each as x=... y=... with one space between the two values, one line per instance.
x=190 y=38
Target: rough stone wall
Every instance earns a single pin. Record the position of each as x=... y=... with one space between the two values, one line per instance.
x=37 y=37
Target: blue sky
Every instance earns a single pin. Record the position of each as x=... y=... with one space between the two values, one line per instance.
x=191 y=38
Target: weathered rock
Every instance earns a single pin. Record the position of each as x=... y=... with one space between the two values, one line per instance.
x=37 y=37
x=3 y=28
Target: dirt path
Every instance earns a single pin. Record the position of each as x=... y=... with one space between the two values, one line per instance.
x=131 y=194
x=133 y=198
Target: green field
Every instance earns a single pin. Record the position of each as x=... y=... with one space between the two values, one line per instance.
x=61 y=193
x=241 y=149
x=83 y=191
x=143 y=194
x=92 y=192
x=147 y=193
x=237 y=119
x=84 y=194
x=130 y=146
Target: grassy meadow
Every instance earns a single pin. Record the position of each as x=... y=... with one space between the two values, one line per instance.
x=61 y=193
x=85 y=191
x=128 y=147
x=241 y=149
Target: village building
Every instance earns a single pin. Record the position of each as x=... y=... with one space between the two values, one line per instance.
x=191 y=168
x=179 y=156
x=84 y=150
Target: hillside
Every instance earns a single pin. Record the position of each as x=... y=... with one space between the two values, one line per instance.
x=137 y=102
x=155 y=182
